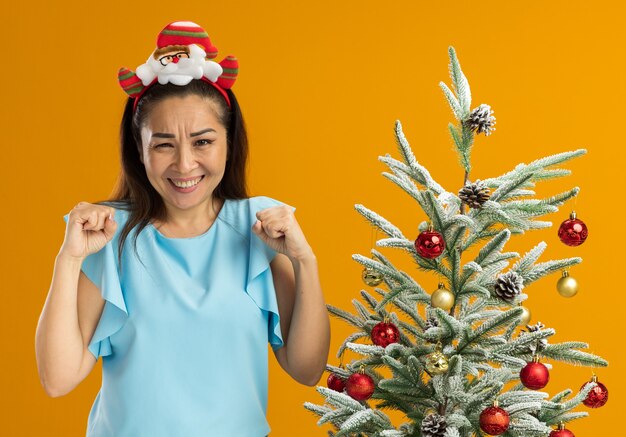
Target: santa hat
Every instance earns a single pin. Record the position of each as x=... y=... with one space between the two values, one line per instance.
x=185 y=33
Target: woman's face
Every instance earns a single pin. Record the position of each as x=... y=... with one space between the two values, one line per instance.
x=182 y=139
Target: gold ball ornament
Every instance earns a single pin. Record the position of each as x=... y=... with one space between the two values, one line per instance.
x=437 y=362
x=525 y=319
x=442 y=298
x=371 y=277
x=567 y=286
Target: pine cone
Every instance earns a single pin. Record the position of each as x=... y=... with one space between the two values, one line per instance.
x=481 y=120
x=434 y=425
x=536 y=327
x=509 y=285
x=431 y=322
x=539 y=345
x=474 y=194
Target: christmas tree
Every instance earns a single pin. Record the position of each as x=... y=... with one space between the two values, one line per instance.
x=459 y=365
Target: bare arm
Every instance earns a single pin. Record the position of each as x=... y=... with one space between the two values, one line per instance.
x=305 y=324
x=66 y=325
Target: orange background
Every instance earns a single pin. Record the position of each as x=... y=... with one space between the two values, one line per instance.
x=321 y=85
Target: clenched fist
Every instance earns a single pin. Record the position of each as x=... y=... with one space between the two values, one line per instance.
x=278 y=228
x=89 y=228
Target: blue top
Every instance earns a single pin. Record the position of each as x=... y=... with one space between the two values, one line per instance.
x=184 y=338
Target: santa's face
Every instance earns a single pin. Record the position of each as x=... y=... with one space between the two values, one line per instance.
x=178 y=65
x=183 y=140
x=173 y=56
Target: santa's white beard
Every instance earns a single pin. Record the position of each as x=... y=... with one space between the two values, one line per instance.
x=179 y=73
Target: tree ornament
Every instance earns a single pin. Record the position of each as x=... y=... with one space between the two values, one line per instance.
x=561 y=432
x=437 y=362
x=442 y=298
x=360 y=386
x=534 y=375
x=481 y=120
x=336 y=382
x=494 y=420
x=385 y=333
x=474 y=194
x=509 y=285
x=598 y=396
x=371 y=277
x=566 y=285
x=434 y=425
x=430 y=243
x=525 y=319
x=573 y=232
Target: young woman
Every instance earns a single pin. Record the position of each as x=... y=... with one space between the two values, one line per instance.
x=182 y=318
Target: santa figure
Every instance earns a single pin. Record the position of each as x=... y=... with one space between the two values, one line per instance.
x=184 y=52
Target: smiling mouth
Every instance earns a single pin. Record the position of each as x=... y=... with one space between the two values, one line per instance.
x=186 y=184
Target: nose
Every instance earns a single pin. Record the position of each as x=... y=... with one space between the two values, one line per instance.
x=186 y=160
x=175 y=60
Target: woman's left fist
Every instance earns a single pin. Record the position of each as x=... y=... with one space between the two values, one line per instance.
x=278 y=228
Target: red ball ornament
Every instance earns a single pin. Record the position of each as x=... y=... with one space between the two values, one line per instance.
x=430 y=244
x=494 y=420
x=534 y=375
x=383 y=334
x=561 y=432
x=336 y=382
x=573 y=232
x=598 y=396
x=360 y=386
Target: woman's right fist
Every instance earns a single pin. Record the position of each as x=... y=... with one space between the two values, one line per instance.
x=89 y=227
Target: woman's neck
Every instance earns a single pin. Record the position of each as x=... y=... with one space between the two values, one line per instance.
x=189 y=223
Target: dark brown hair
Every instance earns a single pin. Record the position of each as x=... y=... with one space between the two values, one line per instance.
x=135 y=193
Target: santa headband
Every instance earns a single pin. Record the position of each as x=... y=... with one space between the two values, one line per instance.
x=184 y=52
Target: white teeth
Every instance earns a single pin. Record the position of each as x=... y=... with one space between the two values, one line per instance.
x=186 y=184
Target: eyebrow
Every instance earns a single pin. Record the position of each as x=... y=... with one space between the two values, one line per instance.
x=193 y=134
